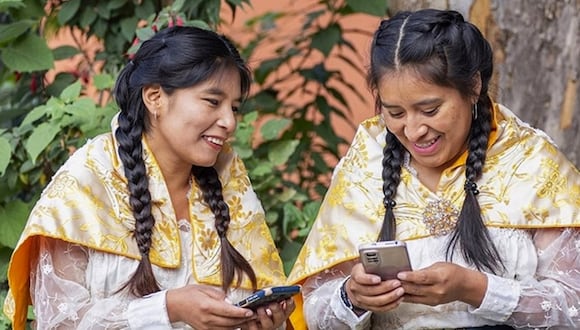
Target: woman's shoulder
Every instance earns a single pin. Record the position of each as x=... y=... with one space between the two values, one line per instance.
x=511 y=126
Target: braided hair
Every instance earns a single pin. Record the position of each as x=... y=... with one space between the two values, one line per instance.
x=447 y=51
x=174 y=58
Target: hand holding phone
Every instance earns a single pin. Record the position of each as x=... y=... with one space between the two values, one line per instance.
x=385 y=258
x=268 y=295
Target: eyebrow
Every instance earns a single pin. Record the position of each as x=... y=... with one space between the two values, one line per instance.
x=219 y=92
x=421 y=103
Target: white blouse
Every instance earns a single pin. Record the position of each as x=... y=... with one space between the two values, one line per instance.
x=76 y=288
x=539 y=289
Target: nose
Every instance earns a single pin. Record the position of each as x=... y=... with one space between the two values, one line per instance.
x=227 y=119
x=414 y=129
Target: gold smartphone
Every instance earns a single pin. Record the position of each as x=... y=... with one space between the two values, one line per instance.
x=386 y=258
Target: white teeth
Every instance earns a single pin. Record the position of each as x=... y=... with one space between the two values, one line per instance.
x=215 y=140
x=425 y=145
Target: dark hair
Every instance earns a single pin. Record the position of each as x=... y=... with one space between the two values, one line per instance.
x=443 y=49
x=174 y=58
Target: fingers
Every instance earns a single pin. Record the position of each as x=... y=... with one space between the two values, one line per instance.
x=204 y=307
x=383 y=296
x=273 y=315
x=360 y=276
x=422 y=276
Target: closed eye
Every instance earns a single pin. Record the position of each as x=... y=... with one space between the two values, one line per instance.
x=395 y=114
x=212 y=102
x=431 y=112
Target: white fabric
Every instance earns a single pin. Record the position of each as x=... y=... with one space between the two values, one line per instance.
x=539 y=289
x=75 y=288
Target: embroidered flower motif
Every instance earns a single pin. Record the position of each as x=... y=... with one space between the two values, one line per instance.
x=61 y=185
x=208 y=239
x=550 y=182
x=46 y=269
x=546 y=305
x=573 y=312
x=440 y=217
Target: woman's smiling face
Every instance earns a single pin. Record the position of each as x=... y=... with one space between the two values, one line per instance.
x=190 y=126
x=432 y=122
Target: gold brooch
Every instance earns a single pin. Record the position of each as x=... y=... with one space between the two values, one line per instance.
x=440 y=217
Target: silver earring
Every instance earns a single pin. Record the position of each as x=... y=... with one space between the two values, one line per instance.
x=474 y=111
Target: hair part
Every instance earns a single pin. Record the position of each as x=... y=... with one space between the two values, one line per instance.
x=174 y=58
x=443 y=49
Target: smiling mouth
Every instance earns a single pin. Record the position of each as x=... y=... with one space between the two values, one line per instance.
x=214 y=140
x=427 y=144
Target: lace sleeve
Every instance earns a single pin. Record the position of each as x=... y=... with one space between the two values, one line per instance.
x=552 y=298
x=60 y=295
x=323 y=307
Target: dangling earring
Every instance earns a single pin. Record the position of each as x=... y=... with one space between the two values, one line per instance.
x=474 y=111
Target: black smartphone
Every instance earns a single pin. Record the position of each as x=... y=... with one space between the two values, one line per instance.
x=268 y=295
x=385 y=258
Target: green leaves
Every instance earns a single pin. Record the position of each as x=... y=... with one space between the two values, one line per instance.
x=68 y=10
x=71 y=93
x=273 y=128
x=14 y=217
x=5 y=152
x=12 y=31
x=28 y=54
x=371 y=7
x=281 y=151
x=325 y=39
x=40 y=138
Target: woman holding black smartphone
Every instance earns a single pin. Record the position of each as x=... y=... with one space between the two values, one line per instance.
x=154 y=225
x=488 y=206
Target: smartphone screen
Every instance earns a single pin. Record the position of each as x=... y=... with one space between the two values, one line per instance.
x=268 y=295
x=386 y=258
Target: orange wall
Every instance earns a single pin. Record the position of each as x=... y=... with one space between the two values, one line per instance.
x=291 y=26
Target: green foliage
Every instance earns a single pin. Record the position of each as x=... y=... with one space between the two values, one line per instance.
x=288 y=147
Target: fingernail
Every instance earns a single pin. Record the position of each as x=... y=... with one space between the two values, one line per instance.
x=400 y=292
x=249 y=313
x=402 y=276
x=376 y=280
x=283 y=304
x=268 y=312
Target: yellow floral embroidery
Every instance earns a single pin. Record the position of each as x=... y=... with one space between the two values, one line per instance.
x=62 y=183
x=533 y=214
x=550 y=182
x=208 y=239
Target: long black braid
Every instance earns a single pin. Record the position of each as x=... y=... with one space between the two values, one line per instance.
x=450 y=52
x=128 y=135
x=233 y=263
x=177 y=57
x=477 y=249
x=393 y=154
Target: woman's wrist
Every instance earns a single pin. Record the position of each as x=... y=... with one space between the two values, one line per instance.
x=172 y=312
x=475 y=284
x=346 y=300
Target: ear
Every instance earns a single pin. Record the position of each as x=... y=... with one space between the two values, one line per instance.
x=152 y=97
x=476 y=87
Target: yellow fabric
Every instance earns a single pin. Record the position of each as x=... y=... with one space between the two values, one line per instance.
x=87 y=203
x=526 y=183
x=297 y=317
